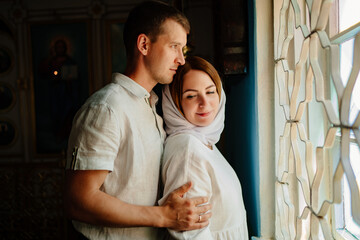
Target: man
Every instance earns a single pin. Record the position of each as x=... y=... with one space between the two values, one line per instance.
x=116 y=142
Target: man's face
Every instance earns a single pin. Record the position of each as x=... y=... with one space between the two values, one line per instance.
x=166 y=53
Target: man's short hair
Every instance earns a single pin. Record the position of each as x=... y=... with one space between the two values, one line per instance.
x=147 y=18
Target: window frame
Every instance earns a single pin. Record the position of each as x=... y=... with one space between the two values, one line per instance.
x=341 y=233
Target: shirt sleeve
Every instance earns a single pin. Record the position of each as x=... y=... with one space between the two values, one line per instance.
x=183 y=164
x=94 y=139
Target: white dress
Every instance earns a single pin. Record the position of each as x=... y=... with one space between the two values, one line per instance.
x=185 y=159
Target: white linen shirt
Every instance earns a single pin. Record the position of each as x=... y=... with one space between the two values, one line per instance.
x=117 y=129
x=185 y=159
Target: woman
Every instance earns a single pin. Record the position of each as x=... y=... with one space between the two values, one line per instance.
x=194 y=113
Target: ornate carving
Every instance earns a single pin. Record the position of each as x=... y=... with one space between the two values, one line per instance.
x=31 y=204
x=306 y=188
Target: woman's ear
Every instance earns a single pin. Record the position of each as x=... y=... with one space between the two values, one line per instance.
x=143 y=43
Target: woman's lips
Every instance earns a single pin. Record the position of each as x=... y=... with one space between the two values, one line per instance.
x=203 y=114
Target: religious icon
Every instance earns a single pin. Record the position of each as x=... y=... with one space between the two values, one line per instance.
x=61 y=81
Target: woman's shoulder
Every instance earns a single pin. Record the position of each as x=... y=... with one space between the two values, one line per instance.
x=184 y=151
x=184 y=148
x=181 y=141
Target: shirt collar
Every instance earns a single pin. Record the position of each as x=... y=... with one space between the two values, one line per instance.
x=130 y=85
x=133 y=87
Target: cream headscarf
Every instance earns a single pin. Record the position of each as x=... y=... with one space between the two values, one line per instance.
x=176 y=123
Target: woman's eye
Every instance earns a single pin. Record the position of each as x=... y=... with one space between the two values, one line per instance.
x=211 y=92
x=190 y=96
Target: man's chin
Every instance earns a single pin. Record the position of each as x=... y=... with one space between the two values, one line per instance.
x=165 y=81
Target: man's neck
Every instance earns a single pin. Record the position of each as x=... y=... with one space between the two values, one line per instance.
x=141 y=77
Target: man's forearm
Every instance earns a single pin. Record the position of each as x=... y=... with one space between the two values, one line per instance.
x=85 y=202
x=104 y=210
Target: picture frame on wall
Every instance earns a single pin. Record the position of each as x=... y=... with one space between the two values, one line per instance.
x=6 y=60
x=8 y=133
x=60 y=81
x=115 y=48
x=231 y=24
x=7 y=97
x=235 y=59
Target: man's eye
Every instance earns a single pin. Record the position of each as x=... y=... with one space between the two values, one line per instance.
x=185 y=50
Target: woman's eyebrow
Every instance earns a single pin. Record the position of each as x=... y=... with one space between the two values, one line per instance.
x=194 y=90
x=212 y=85
x=190 y=90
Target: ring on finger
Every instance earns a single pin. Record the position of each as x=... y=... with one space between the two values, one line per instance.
x=199 y=218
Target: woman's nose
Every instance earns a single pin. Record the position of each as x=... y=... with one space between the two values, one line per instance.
x=202 y=101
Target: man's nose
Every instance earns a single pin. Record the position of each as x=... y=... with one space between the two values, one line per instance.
x=181 y=59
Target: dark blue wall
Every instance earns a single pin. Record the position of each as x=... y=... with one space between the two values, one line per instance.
x=240 y=135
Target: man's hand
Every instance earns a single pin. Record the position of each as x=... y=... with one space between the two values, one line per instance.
x=186 y=214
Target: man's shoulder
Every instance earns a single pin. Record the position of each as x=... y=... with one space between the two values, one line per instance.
x=112 y=93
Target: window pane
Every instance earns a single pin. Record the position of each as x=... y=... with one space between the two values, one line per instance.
x=348 y=16
x=350 y=225
x=346 y=62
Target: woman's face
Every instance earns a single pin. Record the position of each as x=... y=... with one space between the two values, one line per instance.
x=200 y=100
